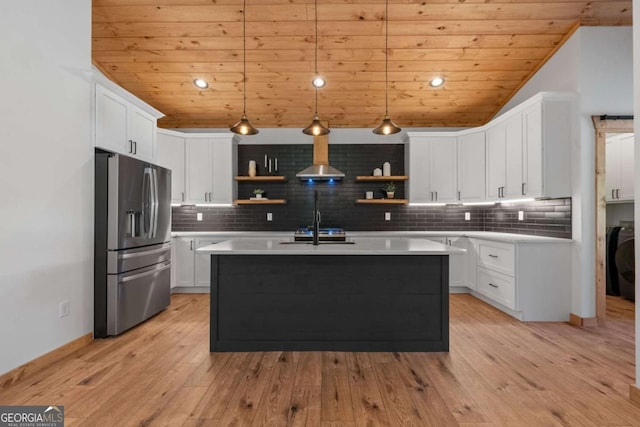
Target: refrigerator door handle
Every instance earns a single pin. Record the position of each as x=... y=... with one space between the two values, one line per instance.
x=147 y=202
x=154 y=202
x=146 y=273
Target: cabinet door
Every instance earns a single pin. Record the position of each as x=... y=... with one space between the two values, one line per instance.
x=513 y=158
x=472 y=263
x=183 y=266
x=224 y=169
x=495 y=160
x=170 y=154
x=612 y=168
x=471 y=167
x=443 y=169
x=532 y=166
x=203 y=263
x=112 y=121
x=458 y=263
x=199 y=170
x=627 y=171
x=143 y=134
x=417 y=159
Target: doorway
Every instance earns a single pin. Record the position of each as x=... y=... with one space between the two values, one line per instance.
x=614 y=129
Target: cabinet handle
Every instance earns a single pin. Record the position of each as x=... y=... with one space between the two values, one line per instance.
x=492 y=285
x=206 y=196
x=459 y=198
x=191 y=245
x=613 y=194
x=210 y=197
x=183 y=196
x=135 y=147
x=493 y=256
x=523 y=193
x=130 y=146
x=618 y=193
x=436 y=196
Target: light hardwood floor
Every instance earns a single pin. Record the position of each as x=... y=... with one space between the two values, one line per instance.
x=499 y=372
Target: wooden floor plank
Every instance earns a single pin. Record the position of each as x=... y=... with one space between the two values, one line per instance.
x=499 y=372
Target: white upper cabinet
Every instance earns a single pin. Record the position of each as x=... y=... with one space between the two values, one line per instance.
x=432 y=164
x=443 y=169
x=416 y=161
x=548 y=122
x=513 y=157
x=537 y=149
x=123 y=127
x=210 y=169
x=496 y=161
x=170 y=153
x=620 y=168
x=471 y=167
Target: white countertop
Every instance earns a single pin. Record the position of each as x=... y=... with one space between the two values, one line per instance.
x=368 y=246
x=487 y=235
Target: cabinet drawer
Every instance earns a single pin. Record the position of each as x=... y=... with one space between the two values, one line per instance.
x=497 y=256
x=498 y=287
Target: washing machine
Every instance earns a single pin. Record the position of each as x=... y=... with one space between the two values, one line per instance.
x=626 y=264
x=612 y=270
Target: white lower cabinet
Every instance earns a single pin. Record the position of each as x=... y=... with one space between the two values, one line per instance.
x=499 y=287
x=457 y=263
x=528 y=280
x=191 y=269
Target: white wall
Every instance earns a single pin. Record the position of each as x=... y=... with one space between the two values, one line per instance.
x=46 y=177
x=596 y=62
x=636 y=104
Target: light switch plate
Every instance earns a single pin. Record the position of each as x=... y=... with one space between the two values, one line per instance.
x=520 y=215
x=467 y=216
x=387 y=216
x=199 y=216
x=64 y=309
x=269 y=216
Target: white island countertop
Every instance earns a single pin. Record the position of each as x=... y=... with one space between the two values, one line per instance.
x=356 y=246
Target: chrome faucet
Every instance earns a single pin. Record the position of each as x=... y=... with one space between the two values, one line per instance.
x=316 y=219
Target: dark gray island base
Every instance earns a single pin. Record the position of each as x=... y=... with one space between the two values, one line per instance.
x=284 y=302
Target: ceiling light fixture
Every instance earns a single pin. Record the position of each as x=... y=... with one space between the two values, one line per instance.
x=319 y=81
x=387 y=127
x=316 y=128
x=200 y=83
x=436 y=82
x=243 y=127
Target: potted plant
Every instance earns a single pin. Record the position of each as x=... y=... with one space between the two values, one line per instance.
x=257 y=193
x=390 y=189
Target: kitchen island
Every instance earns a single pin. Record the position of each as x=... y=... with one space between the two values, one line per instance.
x=367 y=294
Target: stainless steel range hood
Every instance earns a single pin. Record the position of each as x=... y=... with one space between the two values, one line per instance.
x=320 y=170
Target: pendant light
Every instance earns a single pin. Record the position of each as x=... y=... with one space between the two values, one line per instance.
x=316 y=128
x=243 y=127
x=387 y=127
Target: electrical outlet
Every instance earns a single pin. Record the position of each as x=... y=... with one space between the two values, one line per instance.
x=520 y=215
x=269 y=216
x=467 y=216
x=387 y=216
x=64 y=309
x=199 y=216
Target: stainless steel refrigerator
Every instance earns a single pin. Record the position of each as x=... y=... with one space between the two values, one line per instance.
x=132 y=275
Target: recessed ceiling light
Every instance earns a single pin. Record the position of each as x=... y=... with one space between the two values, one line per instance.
x=202 y=84
x=436 y=82
x=319 y=81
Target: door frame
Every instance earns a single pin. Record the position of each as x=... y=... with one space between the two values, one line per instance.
x=603 y=125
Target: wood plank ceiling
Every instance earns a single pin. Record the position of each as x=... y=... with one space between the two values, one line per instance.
x=485 y=50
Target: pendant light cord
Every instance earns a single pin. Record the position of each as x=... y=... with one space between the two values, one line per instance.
x=316 y=54
x=244 y=57
x=386 y=59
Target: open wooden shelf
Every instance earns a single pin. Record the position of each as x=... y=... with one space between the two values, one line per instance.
x=265 y=178
x=369 y=178
x=383 y=201
x=261 y=202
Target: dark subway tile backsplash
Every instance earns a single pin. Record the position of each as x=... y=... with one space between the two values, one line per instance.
x=337 y=201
